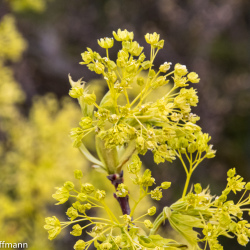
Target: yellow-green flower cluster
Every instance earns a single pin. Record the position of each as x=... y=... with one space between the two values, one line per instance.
x=164 y=126
x=109 y=232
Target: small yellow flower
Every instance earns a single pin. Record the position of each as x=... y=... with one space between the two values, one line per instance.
x=180 y=70
x=106 y=42
x=193 y=77
x=123 y=35
x=53 y=226
x=152 y=38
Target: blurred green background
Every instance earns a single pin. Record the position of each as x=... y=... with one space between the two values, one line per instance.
x=41 y=42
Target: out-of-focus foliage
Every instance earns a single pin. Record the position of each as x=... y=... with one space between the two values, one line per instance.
x=12 y=43
x=39 y=153
x=10 y=93
x=26 y=5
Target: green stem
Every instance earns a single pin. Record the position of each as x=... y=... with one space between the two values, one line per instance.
x=186 y=184
x=157 y=223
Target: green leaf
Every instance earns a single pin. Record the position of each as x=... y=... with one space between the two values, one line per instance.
x=89 y=156
x=125 y=154
x=184 y=224
x=107 y=102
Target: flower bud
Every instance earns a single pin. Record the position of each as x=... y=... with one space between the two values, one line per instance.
x=100 y=194
x=148 y=224
x=160 y=44
x=87 y=188
x=146 y=65
x=231 y=172
x=180 y=70
x=87 y=57
x=80 y=245
x=82 y=197
x=135 y=165
x=90 y=98
x=76 y=92
x=242 y=239
x=126 y=218
x=72 y=213
x=111 y=65
x=69 y=185
x=156 y=194
x=140 y=81
x=193 y=77
x=77 y=230
x=98 y=68
x=141 y=57
x=78 y=174
x=197 y=188
x=86 y=122
x=247 y=186
x=87 y=206
x=165 y=67
x=122 y=190
x=152 y=211
x=165 y=185
x=105 y=246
